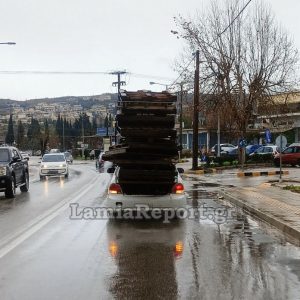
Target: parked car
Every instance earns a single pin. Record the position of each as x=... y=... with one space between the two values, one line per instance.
x=13 y=172
x=264 y=150
x=234 y=152
x=223 y=148
x=290 y=156
x=69 y=157
x=54 y=164
x=251 y=148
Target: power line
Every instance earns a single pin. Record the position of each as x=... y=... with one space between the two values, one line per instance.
x=230 y=24
x=37 y=72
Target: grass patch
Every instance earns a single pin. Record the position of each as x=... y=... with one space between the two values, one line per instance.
x=292 y=188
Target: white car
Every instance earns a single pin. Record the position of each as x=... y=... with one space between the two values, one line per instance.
x=54 y=164
x=223 y=148
x=118 y=201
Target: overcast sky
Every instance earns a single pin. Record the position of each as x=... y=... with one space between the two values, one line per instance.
x=97 y=35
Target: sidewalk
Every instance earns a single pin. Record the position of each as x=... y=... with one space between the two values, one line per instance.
x=276 y=206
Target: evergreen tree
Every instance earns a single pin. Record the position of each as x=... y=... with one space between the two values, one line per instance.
x=10 y=137
x=34 y=134
x=20 y=135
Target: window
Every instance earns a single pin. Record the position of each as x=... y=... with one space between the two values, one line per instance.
x=288 y=150
x=16 y=154
x=4 y=155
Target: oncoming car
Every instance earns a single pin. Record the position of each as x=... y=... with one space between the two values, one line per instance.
x=54 y=164
x=123 y=197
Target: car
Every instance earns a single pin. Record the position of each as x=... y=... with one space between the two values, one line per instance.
x=128 y=197
x=54 y=164
x=25 y=155
x=265 y=150
x=251 y=148
x=54 y=151
x=37 y=153
x=223 y=148
x=69 y=157
x=232 y=152
x=290 y=156
x=14 y=171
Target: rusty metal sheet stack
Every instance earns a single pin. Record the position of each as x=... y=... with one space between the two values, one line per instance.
x=148 y=151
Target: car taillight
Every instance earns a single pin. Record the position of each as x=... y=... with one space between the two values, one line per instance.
x=114 y=189
x=178 y=188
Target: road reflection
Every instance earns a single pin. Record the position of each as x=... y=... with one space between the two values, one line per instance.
x=145 y=253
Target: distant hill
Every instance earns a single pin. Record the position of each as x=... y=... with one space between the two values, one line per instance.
x=85 y=101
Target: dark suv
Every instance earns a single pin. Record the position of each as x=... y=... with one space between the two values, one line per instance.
x=13 y=171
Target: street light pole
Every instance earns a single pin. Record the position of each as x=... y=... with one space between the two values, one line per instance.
x=8 y=43
x=196 y=114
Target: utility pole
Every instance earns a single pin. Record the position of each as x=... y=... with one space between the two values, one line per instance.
x=196 y=114
x=64 y=134
x=82 y=133
x=118 y=83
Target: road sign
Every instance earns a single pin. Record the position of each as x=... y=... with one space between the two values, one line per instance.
x=281 y=142
x=103 y=131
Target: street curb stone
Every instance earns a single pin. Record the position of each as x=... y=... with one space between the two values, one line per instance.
x=261 y=173
x=281 y=225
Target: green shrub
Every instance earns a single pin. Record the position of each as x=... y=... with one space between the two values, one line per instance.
x=226 y=163
x=235 y=162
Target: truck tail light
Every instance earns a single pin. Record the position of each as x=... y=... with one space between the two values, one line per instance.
x=114 y=188
x=178 y=188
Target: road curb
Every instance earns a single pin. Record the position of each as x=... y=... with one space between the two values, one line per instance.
x=261 y=173
x=201 y=172
x=284 y=227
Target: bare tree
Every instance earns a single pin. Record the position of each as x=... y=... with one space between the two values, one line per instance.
x=246 y=58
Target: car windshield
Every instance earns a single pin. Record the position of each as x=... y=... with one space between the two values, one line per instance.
x=53 y=158
x=4 y=155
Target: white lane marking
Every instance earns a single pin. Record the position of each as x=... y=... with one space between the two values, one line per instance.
x=12 y=241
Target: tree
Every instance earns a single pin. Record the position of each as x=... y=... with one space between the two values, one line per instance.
x=246 y=57
x=34 y=134
x=20 y=135
x=44 y=137
x=10 y=137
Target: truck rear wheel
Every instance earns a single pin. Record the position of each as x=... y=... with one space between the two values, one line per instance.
x=10 y=191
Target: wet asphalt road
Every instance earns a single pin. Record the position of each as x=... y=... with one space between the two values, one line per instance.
x=45 y=255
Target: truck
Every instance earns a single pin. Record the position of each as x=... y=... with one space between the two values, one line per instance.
x=147 y=153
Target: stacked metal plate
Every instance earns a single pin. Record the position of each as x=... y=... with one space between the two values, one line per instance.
x=148 y=150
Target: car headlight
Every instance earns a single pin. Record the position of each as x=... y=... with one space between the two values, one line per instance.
x=2 y=171
x=43 y=166
x=63 y=165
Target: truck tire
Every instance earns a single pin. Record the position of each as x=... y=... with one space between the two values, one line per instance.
x=25 y=188
x=10 y=191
